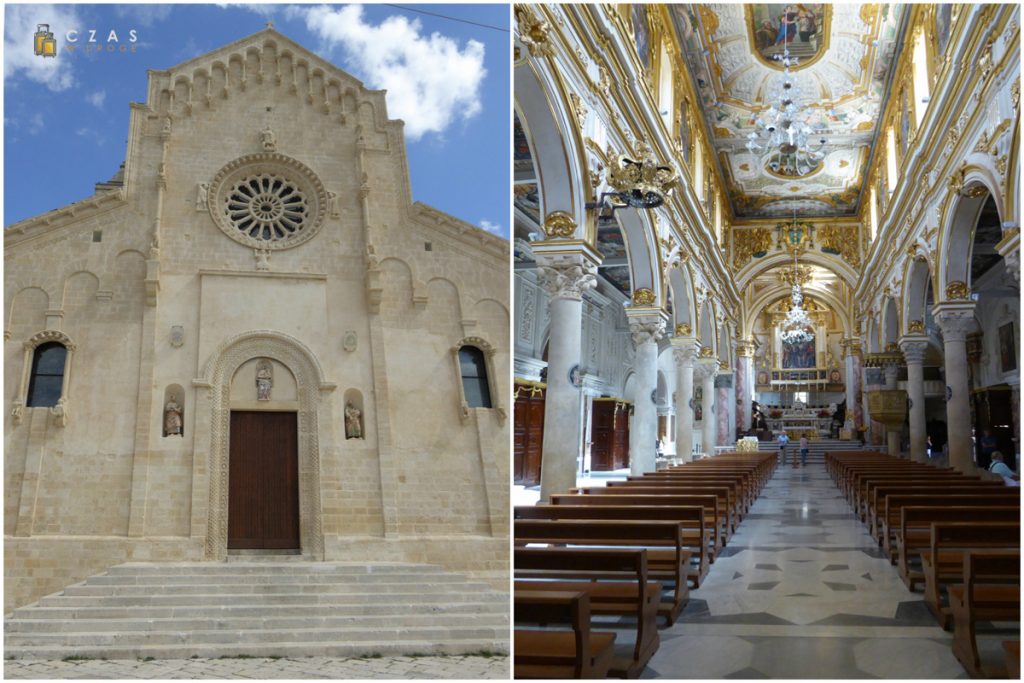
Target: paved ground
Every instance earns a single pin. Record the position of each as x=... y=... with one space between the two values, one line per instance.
x=305 y=667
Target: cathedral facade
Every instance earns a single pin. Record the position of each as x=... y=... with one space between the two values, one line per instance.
x=233 y=343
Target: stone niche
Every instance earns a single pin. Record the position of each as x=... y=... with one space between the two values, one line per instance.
x=283 y=393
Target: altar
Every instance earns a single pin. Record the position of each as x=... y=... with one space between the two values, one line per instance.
x=799 y=420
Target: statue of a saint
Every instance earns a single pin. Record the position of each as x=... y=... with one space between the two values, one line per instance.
x=268 y=139
x=353 y=424
x=264 y=380
x=172 y=418
x=201 y=194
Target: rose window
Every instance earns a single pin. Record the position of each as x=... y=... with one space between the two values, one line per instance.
x=266 y=207
x=267 y=201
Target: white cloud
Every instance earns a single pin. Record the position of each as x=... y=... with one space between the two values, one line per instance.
x=264 y=10
x=97 y=98
x=431 y=81
x=492 y=228
x=144 y=14
x=19 y=56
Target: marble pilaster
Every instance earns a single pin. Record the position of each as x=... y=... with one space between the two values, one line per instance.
x=744 y=381
x=565 y=276
x=854 y=406
x=706 y=369
x=684 y=352
x=956 y=318
x=724 y=396
x=646 y=327
x=914 y=348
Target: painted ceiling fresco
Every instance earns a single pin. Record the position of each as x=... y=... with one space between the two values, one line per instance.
x=845 y=56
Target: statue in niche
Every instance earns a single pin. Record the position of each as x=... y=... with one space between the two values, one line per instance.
x=172 y=418
x=201 y=196
x=264 y=380
x=353 y=422
x=332 y=204
x=268 y=139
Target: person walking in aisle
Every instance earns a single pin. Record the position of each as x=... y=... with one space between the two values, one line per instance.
x=783 y=440
x=804 y=445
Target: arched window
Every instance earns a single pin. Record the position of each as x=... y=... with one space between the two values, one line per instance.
x=47 y=379
x=473 y=368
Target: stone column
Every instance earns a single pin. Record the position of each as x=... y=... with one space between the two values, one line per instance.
x=892 y=434
x=955 y=319
x=565 y=277
x=707 y=366
x=685 y=352
x=744 y=381
x=723 y=398
x=647 y=328
x=854 y=406
x=914 y=348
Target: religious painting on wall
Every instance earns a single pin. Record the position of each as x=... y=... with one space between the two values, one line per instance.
x=642 y=34
x=943 y=24
x=1006 y=348
x=798 y=355
x=800 y=27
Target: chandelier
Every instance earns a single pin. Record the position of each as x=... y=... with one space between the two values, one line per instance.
x=796 y=328
x=784 y=131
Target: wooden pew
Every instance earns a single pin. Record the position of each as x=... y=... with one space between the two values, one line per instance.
x=1011 y=648
x=912 y=532
x=950 y=542
x=559 y=654
x=879 y=493
x=865 y=498
x=668 y=558
x=696 y=534
x=616 y=581
x=990 y=592
x=727 y=495
x=746 y=492
x=714 y=512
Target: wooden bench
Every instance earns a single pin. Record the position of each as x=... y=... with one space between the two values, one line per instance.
x=668 y=558
x=714 y=514
x=617 y=583
x=950 y=542
x=1011 y=648
x=743 y=482
x=893 y=526
x=696 y=535
x=913 y=532
x=879 y=493
x=727 y=499
x=559 y=654
x=990 y=592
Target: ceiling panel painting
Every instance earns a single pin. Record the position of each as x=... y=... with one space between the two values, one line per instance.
x=841 y=56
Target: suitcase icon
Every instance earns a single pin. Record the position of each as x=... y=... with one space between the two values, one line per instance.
x=45 y=43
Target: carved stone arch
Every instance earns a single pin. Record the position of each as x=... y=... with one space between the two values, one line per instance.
x=213 y=412
x=810 y=257
x=916 y=279
x=957 y=226
x=773 y=294
x=61 y=410
x=683 y=297
x=706 y=329
x=890 y=322
x=12 y=309
x=90 y=276
x=641 y=243
x=493 y=386
x=558 y=152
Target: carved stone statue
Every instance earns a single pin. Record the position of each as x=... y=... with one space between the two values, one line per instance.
x=268 y=139
x=172 y=418
x=332 y=204
x=264 y=380
x=353 y=422
x=201 y=195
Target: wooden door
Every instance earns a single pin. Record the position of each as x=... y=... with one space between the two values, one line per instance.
x=528 y=431
x=602 y=436
x=263 y=495
x=620 y=444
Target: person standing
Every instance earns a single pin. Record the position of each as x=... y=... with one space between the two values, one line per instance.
x=804 y=446
x=783 y=441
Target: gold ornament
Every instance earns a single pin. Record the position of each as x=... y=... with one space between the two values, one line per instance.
x=750 y=242
x=559 y=224
x=642 y=181
x=916 y=327
x=643 y=297
x=683 y=330
x=534 y=32
x=707 y=352
x=957 y=290
x=840 y=240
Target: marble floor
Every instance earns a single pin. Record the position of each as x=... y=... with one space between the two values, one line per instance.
x=802 y=591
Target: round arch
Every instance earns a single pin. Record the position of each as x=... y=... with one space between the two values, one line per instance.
x=773 y=294
x=213 y=412
x=916 y=280
x=641 y=252
x=890 y=322
x=757 y=266
x=681 y=288
x=956 y=233
x=706 y=330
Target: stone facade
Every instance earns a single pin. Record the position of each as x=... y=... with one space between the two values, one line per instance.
x=178 y=282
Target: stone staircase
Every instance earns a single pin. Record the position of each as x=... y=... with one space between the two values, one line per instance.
x=817 y=448
x=262 y=608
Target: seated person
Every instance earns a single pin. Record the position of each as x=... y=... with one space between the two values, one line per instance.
x=1001 y=468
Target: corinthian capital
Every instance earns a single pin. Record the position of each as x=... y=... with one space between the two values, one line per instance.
x=646 y=331
x=705 y=368
x=955 y=320
x=567 y=281
x=914 y=350
x=684 y=354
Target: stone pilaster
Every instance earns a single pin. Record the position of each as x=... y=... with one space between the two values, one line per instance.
x=685 y=353
x=854 y=407
x=914 y=348
x=646 y=326
x=956 y=320
x=724 y=398
x=744 y=380
x=565 y=276
x=705 y=370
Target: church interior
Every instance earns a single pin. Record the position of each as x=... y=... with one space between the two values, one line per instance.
x=766 y=340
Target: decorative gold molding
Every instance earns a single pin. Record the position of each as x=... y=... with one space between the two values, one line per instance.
x=915 y=327
x=533 y=32
x=643 y=297
x=559 y=225
x=683 y=330
x=707 y=352
x=957 y=290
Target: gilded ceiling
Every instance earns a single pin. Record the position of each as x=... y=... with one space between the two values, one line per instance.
x=845 y=52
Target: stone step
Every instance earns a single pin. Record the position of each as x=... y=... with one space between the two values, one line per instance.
x=146 y=623
x=258 y=589
x=409 y=596
x=496 y=604
x=275 y=567
x=282 y=649
x=228 y=579
x=349 y=634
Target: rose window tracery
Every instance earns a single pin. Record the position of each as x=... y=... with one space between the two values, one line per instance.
x=266 y=207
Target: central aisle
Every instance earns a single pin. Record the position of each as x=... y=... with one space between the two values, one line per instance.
x=802 y=591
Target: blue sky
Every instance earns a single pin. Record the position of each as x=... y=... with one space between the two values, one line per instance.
x=66 y=119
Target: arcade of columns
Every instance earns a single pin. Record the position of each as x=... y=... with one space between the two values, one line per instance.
x=921 y=221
